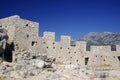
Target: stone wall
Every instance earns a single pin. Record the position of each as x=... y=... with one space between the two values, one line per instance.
x=99 y=56
x=9 y=24
x=24 y=34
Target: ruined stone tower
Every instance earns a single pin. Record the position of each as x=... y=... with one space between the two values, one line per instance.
x=23 y=36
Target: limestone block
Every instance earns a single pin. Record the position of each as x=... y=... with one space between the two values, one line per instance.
x=39 y=63
x=65 y=40
x=49 y=36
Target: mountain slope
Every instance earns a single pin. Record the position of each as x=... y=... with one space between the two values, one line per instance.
x=103 y=38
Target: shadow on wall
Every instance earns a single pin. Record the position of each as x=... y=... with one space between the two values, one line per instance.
x=8 y=52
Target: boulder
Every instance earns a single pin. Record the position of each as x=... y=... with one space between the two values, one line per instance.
x=55 y=76
x=3 y=38
x=39 y=63
x=15 y=74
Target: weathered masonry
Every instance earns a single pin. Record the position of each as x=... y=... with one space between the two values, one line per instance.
x=23 y=36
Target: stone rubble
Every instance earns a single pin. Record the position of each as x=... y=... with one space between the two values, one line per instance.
x=35 y=69
x=3 y=39
x=42 y=58
x=28 y=66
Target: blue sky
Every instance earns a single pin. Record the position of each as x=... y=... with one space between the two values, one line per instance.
x=67 y=17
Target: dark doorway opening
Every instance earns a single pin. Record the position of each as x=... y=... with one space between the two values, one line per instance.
x=8 y=52
x=119 y=58
x=86 y=60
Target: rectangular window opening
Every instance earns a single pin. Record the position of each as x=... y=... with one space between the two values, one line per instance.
x=86 y=60
x=119 y=58
x=34 y=43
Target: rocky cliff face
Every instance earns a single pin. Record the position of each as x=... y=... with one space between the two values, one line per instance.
x=101 y=38
x=3 y=38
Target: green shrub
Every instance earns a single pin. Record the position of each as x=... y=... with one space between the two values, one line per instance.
x=31 y=74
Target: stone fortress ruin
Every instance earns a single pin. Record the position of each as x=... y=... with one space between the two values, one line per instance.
x=23 y=36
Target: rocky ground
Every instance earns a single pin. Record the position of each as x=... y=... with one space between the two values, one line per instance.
x=64 y=72
x=42 y=67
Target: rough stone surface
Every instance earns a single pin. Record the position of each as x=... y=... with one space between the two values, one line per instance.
x=3 y=38
x=24 y=35
x=31 y=55
x=39 y=63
